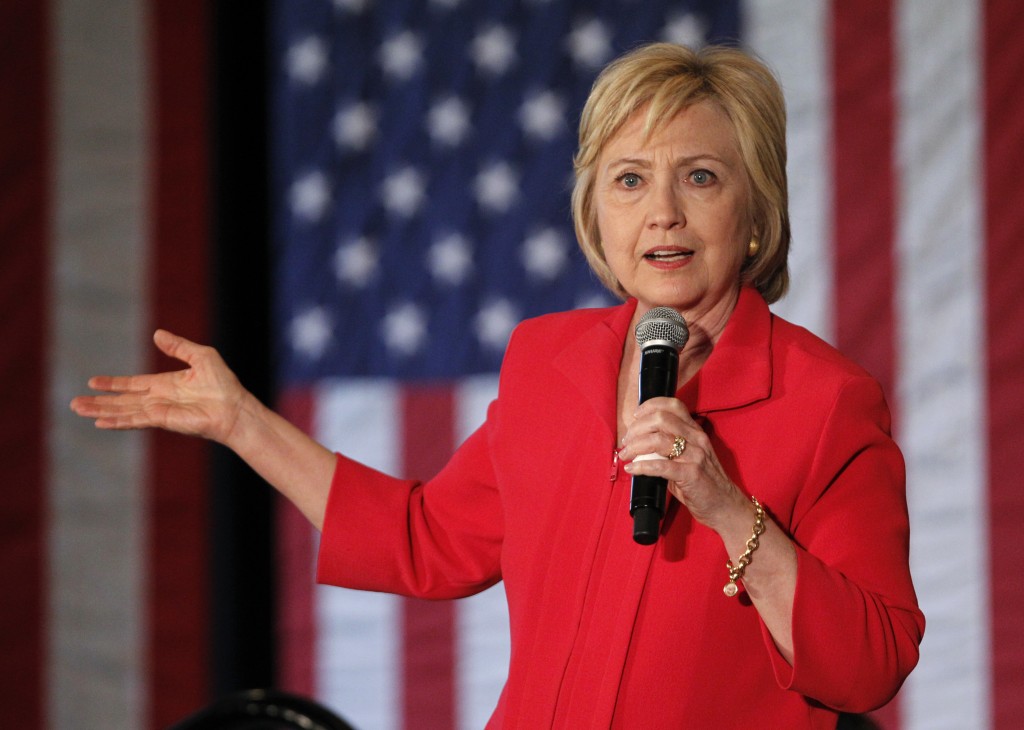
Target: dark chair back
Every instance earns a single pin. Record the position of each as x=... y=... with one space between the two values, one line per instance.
x=263 y=709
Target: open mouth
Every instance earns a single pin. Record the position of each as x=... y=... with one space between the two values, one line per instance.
x=668 y=255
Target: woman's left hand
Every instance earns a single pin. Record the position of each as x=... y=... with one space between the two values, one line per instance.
x=695 y=477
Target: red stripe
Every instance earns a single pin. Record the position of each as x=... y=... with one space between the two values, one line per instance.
x=24 y=233
x=296 y=635
x=428 y=666
x=865 y=190
x=178 y=596
x=1004 y=224
x=864 y=206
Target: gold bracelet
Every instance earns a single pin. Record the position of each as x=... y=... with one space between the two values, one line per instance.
x=735 y=573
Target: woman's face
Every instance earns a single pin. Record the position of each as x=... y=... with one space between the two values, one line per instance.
x=674 y=212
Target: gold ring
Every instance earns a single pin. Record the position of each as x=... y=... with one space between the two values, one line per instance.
x=678 y=446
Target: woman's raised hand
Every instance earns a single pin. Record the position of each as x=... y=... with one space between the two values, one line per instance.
x=694 y=474
x=205 y=399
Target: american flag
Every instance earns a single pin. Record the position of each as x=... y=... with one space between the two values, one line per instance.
x=422 y=152
x=423 y=162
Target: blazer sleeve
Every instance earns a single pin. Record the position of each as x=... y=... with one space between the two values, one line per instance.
x=435 y=539
x=856 y=622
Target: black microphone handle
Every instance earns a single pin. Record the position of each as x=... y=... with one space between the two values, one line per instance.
x=659 y=367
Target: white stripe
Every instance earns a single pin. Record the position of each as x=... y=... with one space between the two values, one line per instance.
x=97 y=546
x=790 y=35
x=483 y=654
x=472 y=397
x=940 y=390
x=358 y=644
x=482 y=629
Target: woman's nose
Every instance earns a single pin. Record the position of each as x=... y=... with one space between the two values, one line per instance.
x=666 y=209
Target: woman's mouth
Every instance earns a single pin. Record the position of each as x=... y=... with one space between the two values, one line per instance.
x=668 y=255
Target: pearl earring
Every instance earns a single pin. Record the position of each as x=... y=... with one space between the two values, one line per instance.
x=753 y=247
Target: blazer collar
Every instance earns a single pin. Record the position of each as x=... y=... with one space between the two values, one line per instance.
x=739 y=370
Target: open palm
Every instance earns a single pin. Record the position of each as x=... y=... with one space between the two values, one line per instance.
x=202 y=400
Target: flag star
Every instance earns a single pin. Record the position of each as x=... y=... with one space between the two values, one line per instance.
x=355 y=126
x=405 y=329
x=686 y=29
x=545 y=254
x=448 y=121
x=310 y=196
x=494 y=324
x=310 y=332
x=450 y=259
x=306 y=60
x=446 y=4
x=542 y=115
x=592 y=300
x=403 y=192
x=590 y=43
x=494 y=50
x=496 y=187
x=356 y=261
x=401 y=55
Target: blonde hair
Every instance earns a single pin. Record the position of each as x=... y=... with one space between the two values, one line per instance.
x=667 y=78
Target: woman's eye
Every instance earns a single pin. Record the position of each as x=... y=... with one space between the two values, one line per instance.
x=702 y=177
x=629 y=180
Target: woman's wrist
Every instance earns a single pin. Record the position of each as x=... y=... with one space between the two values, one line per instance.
x=738 y=569
x=735 y=520
x=242 y=435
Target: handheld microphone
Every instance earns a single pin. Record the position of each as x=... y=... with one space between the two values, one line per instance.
x=661 y=333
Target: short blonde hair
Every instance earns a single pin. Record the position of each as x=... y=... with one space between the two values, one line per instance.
x=667 y=78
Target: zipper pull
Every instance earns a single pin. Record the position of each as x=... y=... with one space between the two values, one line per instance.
x=614 y=474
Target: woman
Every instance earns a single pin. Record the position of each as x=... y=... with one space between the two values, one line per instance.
x=788 y=489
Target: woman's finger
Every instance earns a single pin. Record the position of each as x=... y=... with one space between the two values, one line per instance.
x=168 y=343
x=657 y=442
x=656 y=436
x=177 y=346
x=663 y=407
x=121 y=383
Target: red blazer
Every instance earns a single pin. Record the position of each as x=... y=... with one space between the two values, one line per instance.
x=608 y=633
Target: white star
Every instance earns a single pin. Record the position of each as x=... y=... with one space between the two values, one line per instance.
x=448 y=121
x=592 y=301
x=310 y=332
x=450 y=259
x=401 y=55
x=686 y=29
x=306 y=60
x=590 y=43
x=355 y=262
x=355 y=126
x=496 y=187
x=545 y=254
x=542 y=115
x=494 y=324
x=446 y=4
x=405 y=329
x=355 y=7
x=494 y=50
x=403 y=192
x=310 y=196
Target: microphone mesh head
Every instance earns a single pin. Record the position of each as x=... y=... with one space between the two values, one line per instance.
x=663 y=326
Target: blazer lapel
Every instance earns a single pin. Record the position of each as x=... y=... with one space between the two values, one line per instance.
x=739 y=370
x=591 y=361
